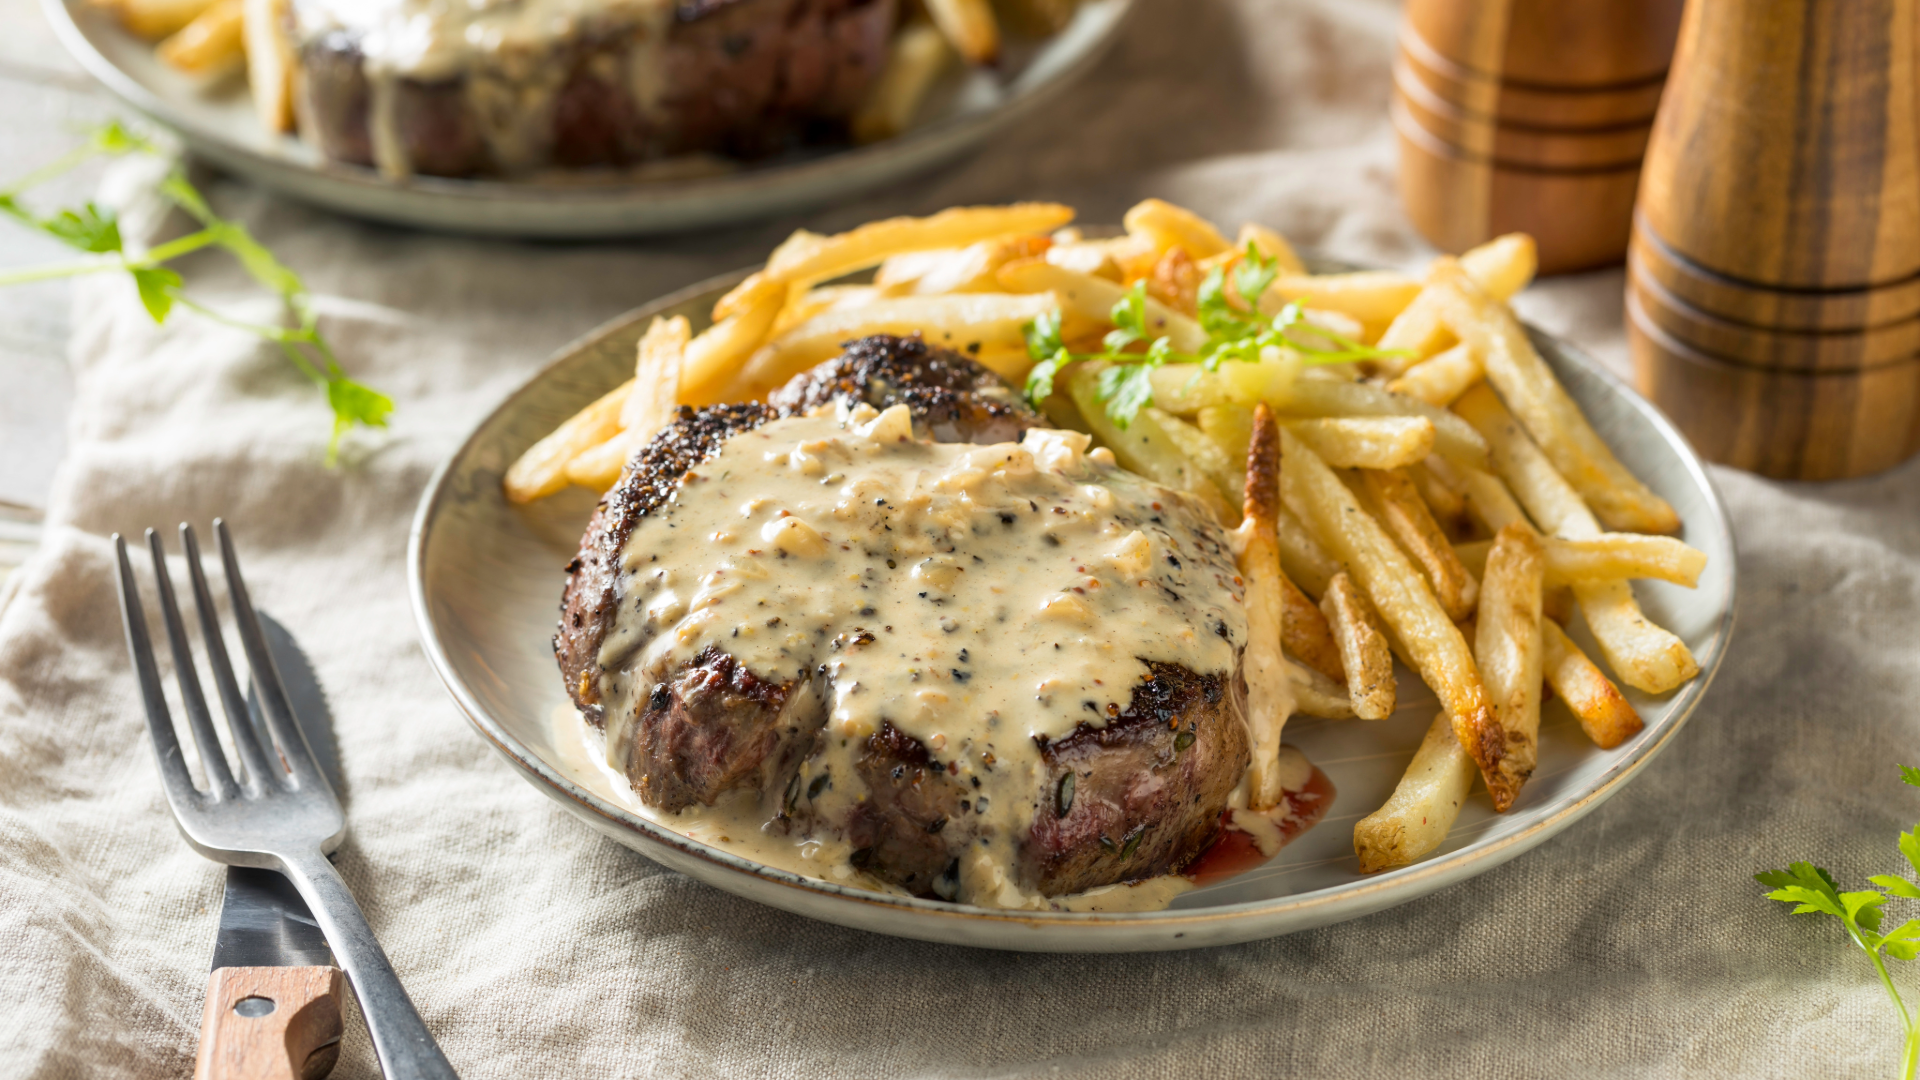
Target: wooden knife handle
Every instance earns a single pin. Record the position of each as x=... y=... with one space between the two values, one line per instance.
x=270 y=1023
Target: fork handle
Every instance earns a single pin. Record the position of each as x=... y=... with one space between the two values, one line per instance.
x=406 y=1049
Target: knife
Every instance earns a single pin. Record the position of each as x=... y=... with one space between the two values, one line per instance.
x=273 y=1000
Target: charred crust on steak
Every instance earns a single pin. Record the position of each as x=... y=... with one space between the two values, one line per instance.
x=1148 y=786
x=952 y=398
x=716 y=727
x=896 y=833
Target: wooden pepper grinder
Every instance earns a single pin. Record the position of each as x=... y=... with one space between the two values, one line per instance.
x=1529 y=116
x=1773 y=297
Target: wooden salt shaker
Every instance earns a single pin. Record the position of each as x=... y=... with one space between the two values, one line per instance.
x=1773 y=299
x=1531 y=116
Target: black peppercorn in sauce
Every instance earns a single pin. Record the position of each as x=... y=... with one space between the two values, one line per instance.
x=980 y=599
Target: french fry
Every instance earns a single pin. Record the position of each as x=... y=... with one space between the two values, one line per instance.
x=1416 y=332
x=1373 y=297
x=988 y=324
x=1175 y=281
x=1620 y=556
x=1270 y=243
x=651 y=405
x=1489 y=500
x=1529 y=387
x=1036 y=18
x=819 y=300
x=808 y=258
x=916 y=57
x=1507 y=650
x=1473 y=555
x=1316 y=695
x=1307 y=634
x=973 y=268
x=152 y=20
x=1094 y=258
x=1203 y=453
x=970 y=25
x=710 y=368
x=1166 y=226
x=1143 y=446
x=270 y=62
x=1367 y=442
x=1269 y=683
x=1442 y=379
x=1448 y=505
x=1302 y=557
x=1423 y=806
x=1407 y=518
x=1604 y=714
x=1092 y=298
x=542 y=470
x=1229 y=426
x=1644 y=656
x=1364 y=654
x=1399 y=593
x=1503 y=265
x=1454 y=438
x=212 y=44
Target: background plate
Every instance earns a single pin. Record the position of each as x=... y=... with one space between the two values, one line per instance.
x=486 y=579
x=219 y=124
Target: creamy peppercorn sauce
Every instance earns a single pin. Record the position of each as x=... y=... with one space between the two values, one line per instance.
x=978 y=598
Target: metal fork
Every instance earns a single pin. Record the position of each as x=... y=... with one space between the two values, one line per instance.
x=276 y=809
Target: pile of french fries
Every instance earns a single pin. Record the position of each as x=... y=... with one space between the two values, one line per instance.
x=211 y=39
x=1443 y=501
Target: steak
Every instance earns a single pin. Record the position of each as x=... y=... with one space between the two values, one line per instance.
x=1133 y=794
x=741 y=77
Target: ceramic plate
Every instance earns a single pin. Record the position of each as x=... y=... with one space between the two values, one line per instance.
x=219 y=125
x=486 y=578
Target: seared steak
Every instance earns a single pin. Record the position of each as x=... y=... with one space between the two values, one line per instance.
x=953 y=399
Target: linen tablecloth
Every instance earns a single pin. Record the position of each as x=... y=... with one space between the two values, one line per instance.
x=1634 y=944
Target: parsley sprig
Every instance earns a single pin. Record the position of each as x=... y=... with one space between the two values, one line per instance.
x=1235 y=332
x=1812 y=891
x=95 y=232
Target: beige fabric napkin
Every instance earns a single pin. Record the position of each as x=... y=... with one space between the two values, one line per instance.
x=1634 y=944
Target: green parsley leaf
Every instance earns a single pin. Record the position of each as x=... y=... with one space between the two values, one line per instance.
x=1253 y=274
x=1910 y=775
x=1040 y=380
x=1043 y=336
x=1129 y=317
x=1897 y=886
x=158 y=286
x=89 y=229
x=1126 y=389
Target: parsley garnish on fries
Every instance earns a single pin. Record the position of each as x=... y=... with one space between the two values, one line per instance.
x=1812 y=891
x=95 y=232
x=1235 y=332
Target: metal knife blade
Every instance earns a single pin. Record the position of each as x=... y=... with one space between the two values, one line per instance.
x=263 y=921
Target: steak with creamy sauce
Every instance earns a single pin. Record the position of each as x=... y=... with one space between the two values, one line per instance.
x=741 y=77
x=1136 y=793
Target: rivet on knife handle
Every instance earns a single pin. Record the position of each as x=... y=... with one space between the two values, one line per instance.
x=270 y=1023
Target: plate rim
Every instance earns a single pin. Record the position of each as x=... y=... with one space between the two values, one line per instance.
x=694 y=198
x=1365 y=896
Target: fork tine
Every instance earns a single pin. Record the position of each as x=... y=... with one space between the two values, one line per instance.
x=266 y=678
x=212 y=758
x=174 y=777
x=259 y=773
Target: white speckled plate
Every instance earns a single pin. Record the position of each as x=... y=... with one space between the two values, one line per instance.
x=218 y=123
x=486 y=579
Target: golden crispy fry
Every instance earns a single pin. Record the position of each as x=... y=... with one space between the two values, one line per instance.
x=1454 y=438
x=1308 y=635
x=542 y=470
x=987 y=324
x=973 y=268
x=1407 y=518
x=1166 y=226
x=1423 y=806
x=1036 y=18
x=1316 y=695
x=1206 y=455
x=820 y=300
x=1503 y=265
x=1302 y=557
x=1442 y=379
x=1604 y=714
x=1448 y=505
x=1644 y=656
x=1175 y=281
x=155 y=19
x=1144 y=446
x=916 y=57
x=1229 y=426
x=1620 y=556
x=651 y=405
x=1398 y=591
x=1094 y=258
x=212 y=44
x=1507 y=649
x=710 y=369
x=1367 y=442
x=270 y=62
x=1373 y=297
x=1092 y=298
x=1270 y=243
x=1488 y=499
x=808 y=258
x=1269 y=683
x=1528 y=385
x=1364 y=654
x=970 y=25
x=1417 y=332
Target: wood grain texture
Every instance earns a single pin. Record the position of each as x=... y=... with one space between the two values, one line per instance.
x=1529 y=114
x=1736 y=342
x=1769 y=306
x=1785 y=151
x=299 y=1039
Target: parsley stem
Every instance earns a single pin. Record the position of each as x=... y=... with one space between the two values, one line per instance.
x=172 y=249
x=1911 y=1055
